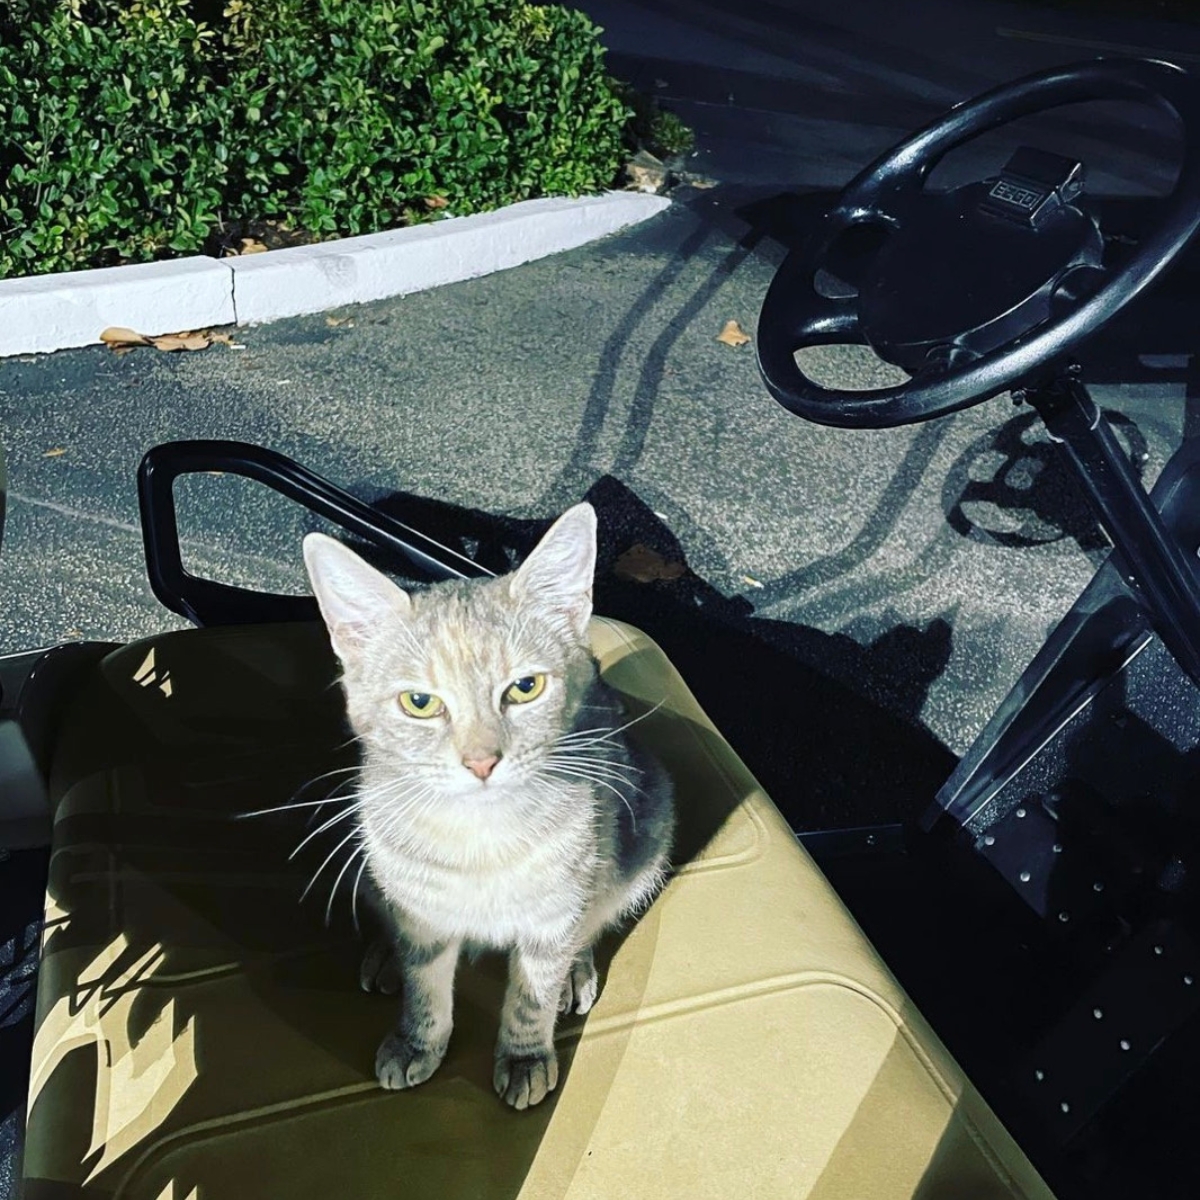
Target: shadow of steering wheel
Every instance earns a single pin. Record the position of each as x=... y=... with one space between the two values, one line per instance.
x=1027 y=497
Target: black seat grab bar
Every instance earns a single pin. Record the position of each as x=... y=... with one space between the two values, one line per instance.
x=206 y=602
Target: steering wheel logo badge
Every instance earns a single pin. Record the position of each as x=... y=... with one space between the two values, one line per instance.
x=1012 y=193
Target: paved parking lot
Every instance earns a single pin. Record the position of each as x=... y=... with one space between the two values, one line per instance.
x=909 y=572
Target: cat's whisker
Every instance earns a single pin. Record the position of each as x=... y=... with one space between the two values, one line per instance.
x=329 y=858
x=294 y=802
x=397 y=792
x=278 y=808
x=354 y=892
x=415 y=807
x=599 y=782
x=599 y=770
x=291 y=804
x=403 y=772
x=308 y=837
x=413 y=804
x=388 y=791
x=335 y=788
x=327 y=775
x=395 y=819
x=572 y=742
x=384 y=793
x=609 y=734
x=333 y=890
x=643 y=716
x=584 y=772
x=336 y=795
x=614 y=772
x=615 y=782
x=571 y=755
x=577 y=734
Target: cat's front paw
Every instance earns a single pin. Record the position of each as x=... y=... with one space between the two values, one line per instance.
x=399 y=1063
x=523 y=1080
x=382 y=969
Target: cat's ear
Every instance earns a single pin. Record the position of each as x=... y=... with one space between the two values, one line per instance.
x=557 y=575
x=354 y=598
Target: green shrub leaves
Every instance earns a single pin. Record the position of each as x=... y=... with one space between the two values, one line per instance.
x=131 y=131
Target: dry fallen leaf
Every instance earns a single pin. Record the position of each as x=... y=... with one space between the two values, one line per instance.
x=57 y=452
x=750 y=581
x=251 y=246
x=118 y=335
x=181 y=341
x=732 y=334
x=641 y=564
x=432 y=202
x=122 y=340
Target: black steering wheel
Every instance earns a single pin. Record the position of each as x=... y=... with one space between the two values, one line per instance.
x=971 y=291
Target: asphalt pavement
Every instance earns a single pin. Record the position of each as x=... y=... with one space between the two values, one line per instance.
x=854 y=604
x=806 y=92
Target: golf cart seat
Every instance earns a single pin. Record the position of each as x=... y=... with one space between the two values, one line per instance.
x=201 y=1035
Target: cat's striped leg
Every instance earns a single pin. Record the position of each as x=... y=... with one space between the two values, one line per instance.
x=415 y=1048
x=382 y=966
x=581 y=986
x=526 y=1062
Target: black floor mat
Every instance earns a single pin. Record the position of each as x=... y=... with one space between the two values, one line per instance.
x=989 y=977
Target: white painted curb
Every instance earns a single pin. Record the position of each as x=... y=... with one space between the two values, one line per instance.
x=55 y=312
x=307 y=279
x=40 y=313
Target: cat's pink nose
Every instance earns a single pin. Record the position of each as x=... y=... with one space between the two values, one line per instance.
x=481 y=768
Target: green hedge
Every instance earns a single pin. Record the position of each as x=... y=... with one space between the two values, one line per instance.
x=133 y=131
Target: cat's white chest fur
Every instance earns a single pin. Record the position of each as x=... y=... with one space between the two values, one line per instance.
x=482 y=877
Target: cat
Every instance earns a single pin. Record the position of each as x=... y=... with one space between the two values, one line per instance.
x=501 y=805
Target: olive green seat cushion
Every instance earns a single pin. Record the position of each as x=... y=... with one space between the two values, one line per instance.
x=202 y=1036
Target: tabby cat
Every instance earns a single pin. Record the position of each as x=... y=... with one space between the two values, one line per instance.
x=501 y=805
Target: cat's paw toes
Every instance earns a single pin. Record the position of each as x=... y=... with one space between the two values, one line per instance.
x=523 y=1080
x=580 y=989
x=401 y=1064
x=381 y=969
x=587 y=994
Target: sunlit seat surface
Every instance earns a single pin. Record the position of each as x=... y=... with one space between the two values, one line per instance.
x=201 y=1034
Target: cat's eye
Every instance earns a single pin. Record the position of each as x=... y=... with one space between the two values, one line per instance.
x=421 y=704
x=528 y=687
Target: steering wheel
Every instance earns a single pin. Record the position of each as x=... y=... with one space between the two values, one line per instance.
x=973 y=290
